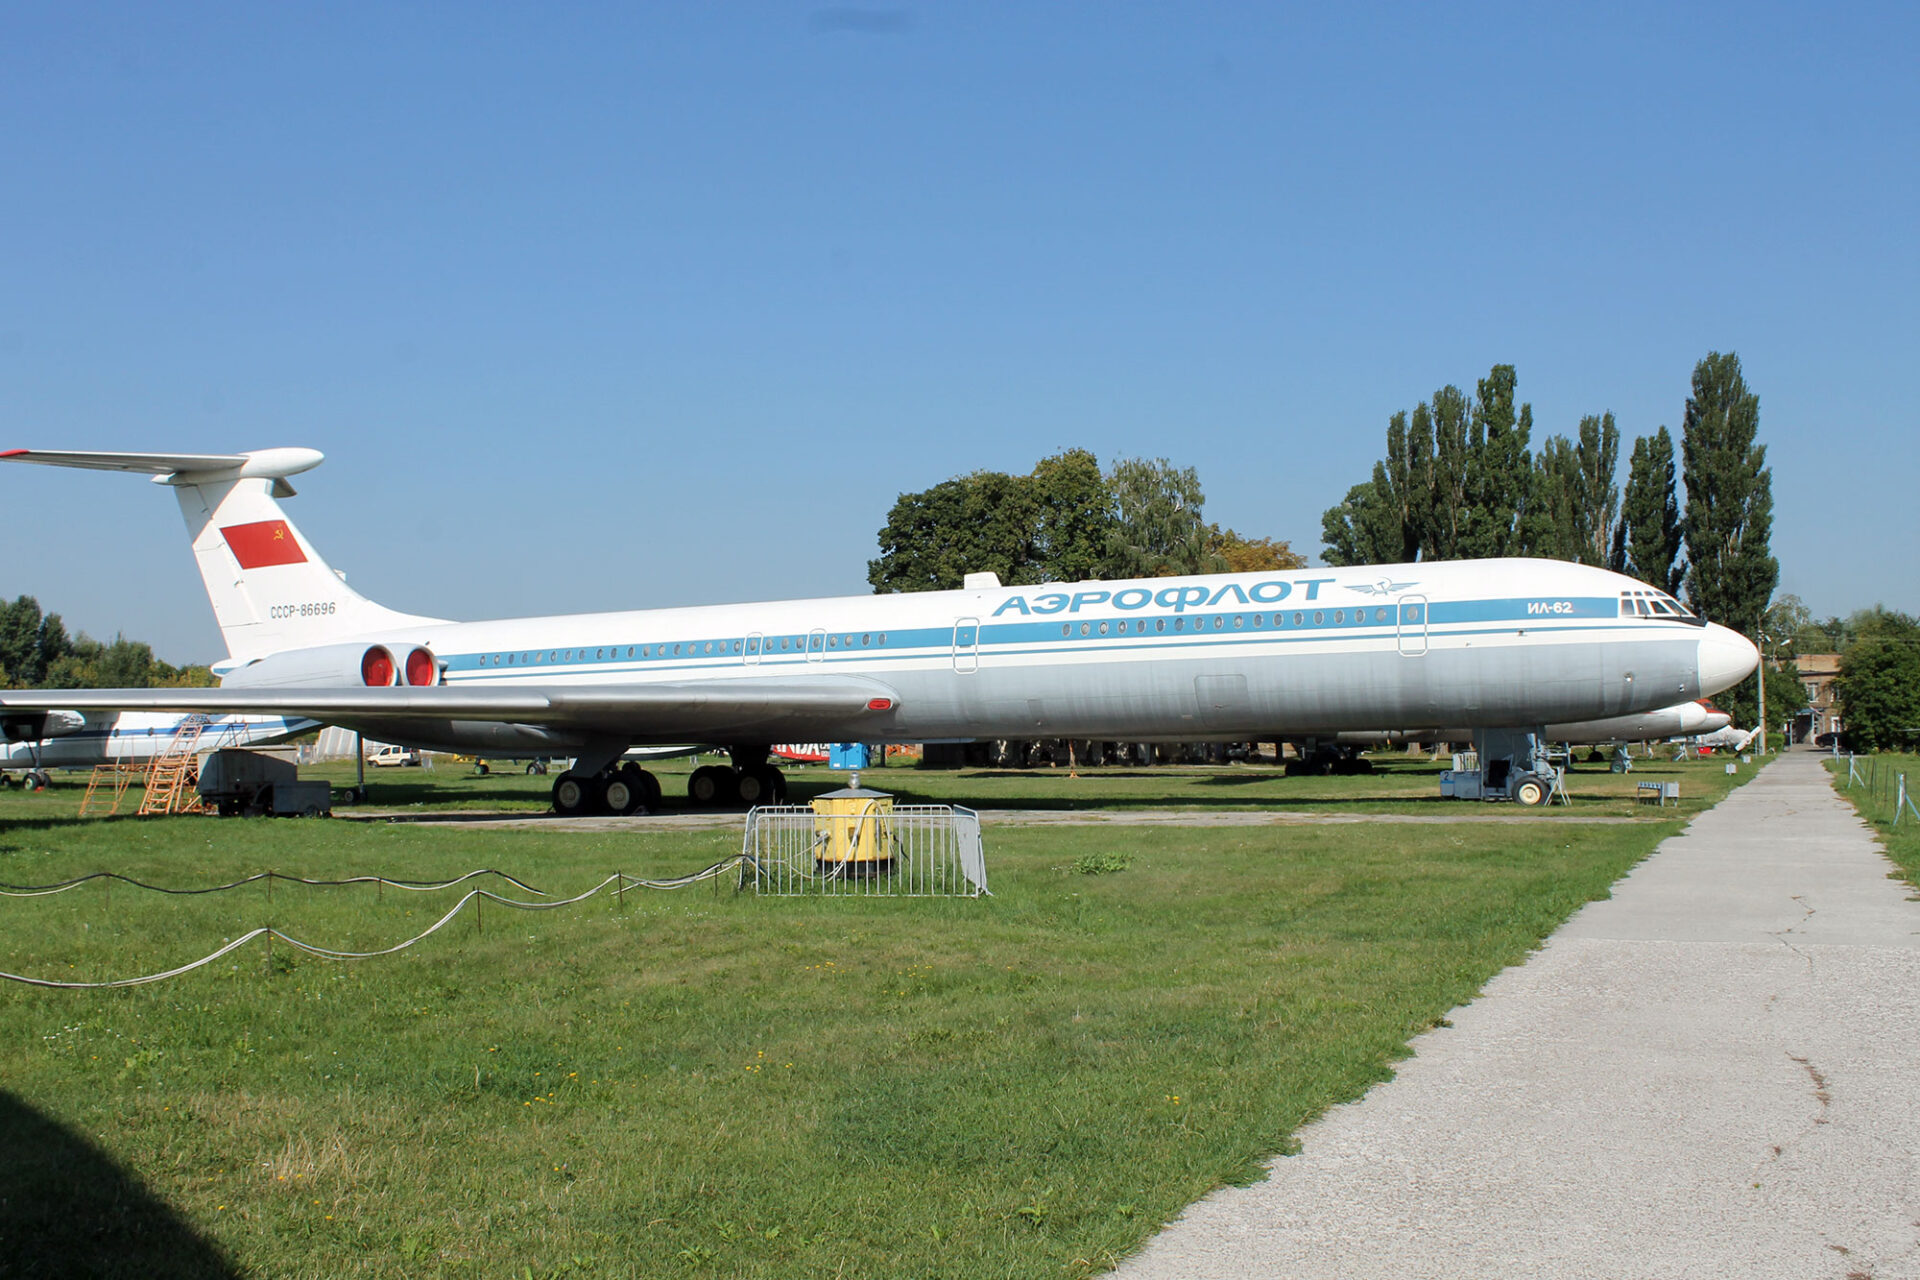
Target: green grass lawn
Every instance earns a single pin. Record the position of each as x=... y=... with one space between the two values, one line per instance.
x=1400 y=784
x=1873 y=791
x=702 y=1083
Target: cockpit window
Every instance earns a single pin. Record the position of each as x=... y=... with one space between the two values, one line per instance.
x=1654 y=604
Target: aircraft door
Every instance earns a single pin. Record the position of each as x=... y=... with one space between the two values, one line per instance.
x=817 y=645
x=1412 y=627
x=966 y=645
x=755 y=642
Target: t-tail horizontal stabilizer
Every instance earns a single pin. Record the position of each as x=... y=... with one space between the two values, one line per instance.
x=269 y=588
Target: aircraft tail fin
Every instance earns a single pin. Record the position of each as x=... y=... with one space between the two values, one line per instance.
x=269 y=588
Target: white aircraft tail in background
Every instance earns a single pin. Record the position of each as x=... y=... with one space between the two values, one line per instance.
x=270 y=589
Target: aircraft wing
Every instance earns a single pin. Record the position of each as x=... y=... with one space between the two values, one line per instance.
x=158 y=464
x=680 y=710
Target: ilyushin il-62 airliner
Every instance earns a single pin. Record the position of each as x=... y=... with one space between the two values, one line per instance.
x=1491 y=644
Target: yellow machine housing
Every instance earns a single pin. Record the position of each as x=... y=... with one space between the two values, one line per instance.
x=853 y=827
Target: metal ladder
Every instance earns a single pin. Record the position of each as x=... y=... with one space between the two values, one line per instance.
x=173 y=780
x=114 y=778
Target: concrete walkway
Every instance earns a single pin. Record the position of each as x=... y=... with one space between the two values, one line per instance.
x=1716 y=1073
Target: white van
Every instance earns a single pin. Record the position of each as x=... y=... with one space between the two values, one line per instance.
x=394 y=757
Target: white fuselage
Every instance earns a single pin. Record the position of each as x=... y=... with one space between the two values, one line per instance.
x=1512 y=643
x=107 y=737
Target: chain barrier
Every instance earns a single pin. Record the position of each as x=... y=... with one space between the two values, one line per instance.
x=619 y=881
x=412 y=886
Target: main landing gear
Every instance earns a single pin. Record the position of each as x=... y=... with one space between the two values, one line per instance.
x=596 y=784
x=1322 y=761
x=748 y=781
x=622 y=791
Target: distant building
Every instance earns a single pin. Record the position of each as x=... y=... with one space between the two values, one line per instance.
x=1817 y=672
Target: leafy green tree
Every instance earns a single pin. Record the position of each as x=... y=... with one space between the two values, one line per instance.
x=1596 y=494
x=1878 y=687
x=1159 y=530
x=1252 y=555
x=1729 y=518
x=1647 y=539
x=1499 y=466
x=1444 y=536
x=1547 y=521
x=1456 y=482
x=30 y=642
x=1073 y=509
x=975 y=523
x=1362 y=529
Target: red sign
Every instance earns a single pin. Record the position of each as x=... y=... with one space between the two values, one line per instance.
x=262 y=544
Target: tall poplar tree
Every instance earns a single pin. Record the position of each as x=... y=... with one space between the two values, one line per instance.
x=1729 y=518
x=1596 y=495
x=1647 y=542
x=1452 y=460
x=1499 y=466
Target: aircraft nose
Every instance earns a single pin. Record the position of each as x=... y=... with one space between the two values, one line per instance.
x=1726 y=658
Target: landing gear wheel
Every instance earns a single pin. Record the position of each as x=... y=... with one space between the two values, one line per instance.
x=1531 y=791
x=480 y=768
x=571 y=796
x=621 y=794
x=536 y=767
x=37 y=780
x=762 y=784
x=713 y=784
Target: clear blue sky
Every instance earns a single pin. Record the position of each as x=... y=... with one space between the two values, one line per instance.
x=612 y=306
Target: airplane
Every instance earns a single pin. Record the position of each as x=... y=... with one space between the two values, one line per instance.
x=36 y=742
x=1502 y=647
x=1728 y=738
x=1332 y=753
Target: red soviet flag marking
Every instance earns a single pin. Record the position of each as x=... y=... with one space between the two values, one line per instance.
x=262 y=544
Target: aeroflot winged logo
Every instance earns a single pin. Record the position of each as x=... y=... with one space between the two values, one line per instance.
x=1382 y=587
x=263 y=544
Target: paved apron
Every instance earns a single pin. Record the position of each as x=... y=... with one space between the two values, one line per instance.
x=1715 y=1073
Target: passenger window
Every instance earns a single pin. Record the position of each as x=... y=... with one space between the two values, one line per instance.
x=1179 y=624
x=866 y=639
x=1159 y=624
x=1084 y=629
x=1103 y=628
x=1319 y=617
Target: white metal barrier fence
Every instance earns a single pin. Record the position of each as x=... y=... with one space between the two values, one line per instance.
x=901 y=851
